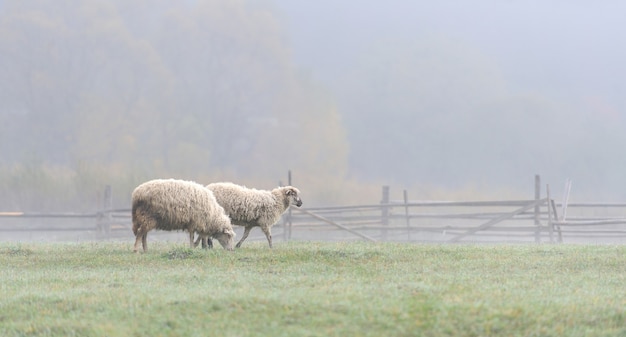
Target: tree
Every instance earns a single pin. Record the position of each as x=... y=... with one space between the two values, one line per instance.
x=191 y=89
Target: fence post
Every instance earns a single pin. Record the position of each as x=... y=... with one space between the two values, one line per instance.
x=406 y=213
x=550 y=223
x=568 y=189
x=537 y=208
x=385 y=213
x=289 y=220
x=107 y=216
x=284 y=218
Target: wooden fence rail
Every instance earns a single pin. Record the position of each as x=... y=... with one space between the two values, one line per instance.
x=414 y=221
x=534 y=220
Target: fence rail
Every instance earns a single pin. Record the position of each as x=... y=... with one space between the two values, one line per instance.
x=534 y=220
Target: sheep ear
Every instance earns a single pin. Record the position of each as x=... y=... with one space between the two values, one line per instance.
x=290 y=192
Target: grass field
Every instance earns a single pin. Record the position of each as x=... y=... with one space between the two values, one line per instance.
x=312 y=289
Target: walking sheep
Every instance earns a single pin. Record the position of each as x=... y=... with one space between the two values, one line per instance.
x=170 y=204
x=250 y=207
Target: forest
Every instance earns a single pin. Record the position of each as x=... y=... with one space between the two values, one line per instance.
x=117 y=92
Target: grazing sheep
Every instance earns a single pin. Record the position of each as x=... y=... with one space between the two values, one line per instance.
x=250 y=207
x=170 y=204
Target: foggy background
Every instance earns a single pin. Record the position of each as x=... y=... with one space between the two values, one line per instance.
x=448 y=99
x=458 y=92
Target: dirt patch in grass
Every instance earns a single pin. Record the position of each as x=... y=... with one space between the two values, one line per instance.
x=16 y=251
x=182 y=253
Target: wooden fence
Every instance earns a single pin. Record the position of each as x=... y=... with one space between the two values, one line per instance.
x=539 y=220
x=468 y=221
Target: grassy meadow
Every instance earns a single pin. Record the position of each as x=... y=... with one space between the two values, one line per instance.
x=312 y=289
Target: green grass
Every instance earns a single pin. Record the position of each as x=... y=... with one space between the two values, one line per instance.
x=312 y=289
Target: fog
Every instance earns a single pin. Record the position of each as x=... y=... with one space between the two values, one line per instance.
x=545 y=79
x=560 y=47
x=418 y=94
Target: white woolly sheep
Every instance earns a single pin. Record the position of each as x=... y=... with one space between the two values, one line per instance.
x=250 y=207
x=170 y=204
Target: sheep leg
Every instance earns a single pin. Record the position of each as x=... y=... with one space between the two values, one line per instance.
x=207 y=243
x=246 y=232
x=191 y=245
x=137 y=240
x=268 y=234
x=144 y=242
x=141 y=237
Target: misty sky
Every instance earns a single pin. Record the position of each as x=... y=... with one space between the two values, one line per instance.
x=567 y=52
x=571 y=47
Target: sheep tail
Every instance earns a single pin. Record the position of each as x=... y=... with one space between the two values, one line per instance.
x=134 y=217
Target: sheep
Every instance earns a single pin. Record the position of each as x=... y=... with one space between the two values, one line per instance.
x=170 y=204
x=250 y=207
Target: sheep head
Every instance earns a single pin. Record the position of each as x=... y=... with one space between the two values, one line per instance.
x=293 y=195
x=226 y=238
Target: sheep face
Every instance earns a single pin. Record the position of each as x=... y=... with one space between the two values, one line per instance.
x=293 y=195
x=226 y=238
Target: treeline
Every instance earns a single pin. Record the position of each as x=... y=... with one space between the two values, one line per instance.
x=118 y=92
x=121 y=91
